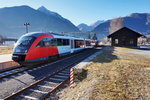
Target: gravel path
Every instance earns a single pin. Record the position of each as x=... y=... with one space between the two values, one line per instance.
x=144 y=52
x=9 y=86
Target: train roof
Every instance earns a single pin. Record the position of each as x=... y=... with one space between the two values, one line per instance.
x=34 y=34
x=89 y=39
x=56 y=35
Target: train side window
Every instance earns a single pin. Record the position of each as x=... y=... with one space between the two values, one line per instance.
x=79 y=43
x=53 y=42
x=44 y=43
x=59 y=42
x=88 y=43
x=65 y=41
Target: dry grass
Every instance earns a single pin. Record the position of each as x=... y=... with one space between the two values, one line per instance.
x=113 y=75
x=6 y=50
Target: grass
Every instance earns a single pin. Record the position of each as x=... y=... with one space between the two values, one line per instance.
x=6 y=50
x=113 y=75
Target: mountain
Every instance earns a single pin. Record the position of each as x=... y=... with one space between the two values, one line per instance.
x=85 y=28
x=12 y=21
x=139 y=22
x=48 y=12
x=95 y=24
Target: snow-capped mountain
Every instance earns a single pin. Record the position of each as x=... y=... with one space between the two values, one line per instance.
x=139 y=22
x=85 y=28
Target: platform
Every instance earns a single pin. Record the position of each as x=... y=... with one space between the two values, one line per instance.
x=5 y=58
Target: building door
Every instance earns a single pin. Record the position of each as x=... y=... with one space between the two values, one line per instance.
x=123 y=41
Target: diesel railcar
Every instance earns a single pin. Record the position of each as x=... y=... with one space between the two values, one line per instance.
x=34 y=48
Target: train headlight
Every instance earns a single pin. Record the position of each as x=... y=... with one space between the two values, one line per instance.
x=26 y=51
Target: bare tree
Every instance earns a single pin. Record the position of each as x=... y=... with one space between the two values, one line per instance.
x=148 y=40
x=140 y=40
x=1 y=39
x=105 y=40
x=116 y=24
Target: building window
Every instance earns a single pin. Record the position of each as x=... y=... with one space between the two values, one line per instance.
x=131 y=41
x=116 y=41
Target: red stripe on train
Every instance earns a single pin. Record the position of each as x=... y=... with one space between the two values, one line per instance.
x=40 y=52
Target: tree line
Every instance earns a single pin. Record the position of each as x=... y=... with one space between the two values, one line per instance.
x=94 y=36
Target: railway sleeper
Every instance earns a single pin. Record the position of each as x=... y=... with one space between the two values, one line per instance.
x=63 y=74
x=30 y=95
x=56 y=79
x=60 y=76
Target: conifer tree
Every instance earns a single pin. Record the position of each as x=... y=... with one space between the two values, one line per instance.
x=94 y=37
x=89 y=36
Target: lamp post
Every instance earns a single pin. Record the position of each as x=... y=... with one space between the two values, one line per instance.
x=26 y=24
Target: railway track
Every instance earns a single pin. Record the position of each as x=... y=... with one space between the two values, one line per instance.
x=42 y=89
x=14 y=72
x=20 y=70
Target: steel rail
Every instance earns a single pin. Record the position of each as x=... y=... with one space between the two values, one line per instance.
x=31 y=67
x=46 y=78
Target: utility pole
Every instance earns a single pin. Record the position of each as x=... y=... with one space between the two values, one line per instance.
x=26 y=24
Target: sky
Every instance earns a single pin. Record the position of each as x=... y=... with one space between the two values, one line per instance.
x=86 y=11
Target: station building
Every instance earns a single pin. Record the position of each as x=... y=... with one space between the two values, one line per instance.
x=124 y=37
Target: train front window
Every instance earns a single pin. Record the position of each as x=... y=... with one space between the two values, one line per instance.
x=26 y=41
x=23 y=44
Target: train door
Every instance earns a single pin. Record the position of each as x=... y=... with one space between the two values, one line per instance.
x=63 y=46
x=72 y=45
x=84 y=43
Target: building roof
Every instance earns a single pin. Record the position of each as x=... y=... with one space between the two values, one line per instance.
x=122 y=29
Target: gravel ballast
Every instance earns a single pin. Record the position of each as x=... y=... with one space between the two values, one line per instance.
x=20 y=81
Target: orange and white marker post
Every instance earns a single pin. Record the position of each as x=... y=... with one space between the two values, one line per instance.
x=71 y=78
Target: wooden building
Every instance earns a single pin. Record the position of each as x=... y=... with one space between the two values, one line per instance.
x=124 y=37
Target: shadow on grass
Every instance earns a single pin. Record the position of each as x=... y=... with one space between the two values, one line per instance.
x=81 y=76
x=106 y=56
x=139 y=48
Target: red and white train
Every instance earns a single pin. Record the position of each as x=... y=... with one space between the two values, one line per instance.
x=38 y=47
